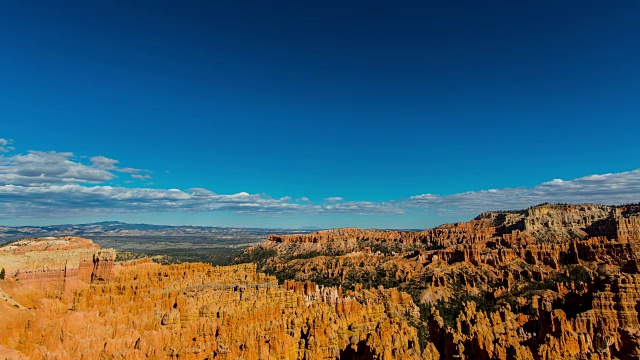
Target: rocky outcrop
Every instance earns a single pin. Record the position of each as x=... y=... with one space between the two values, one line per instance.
x=350 y=238
x=140 y=309
x=548 y=282
x=53 y=266
x=627 y=224
x=480 y=335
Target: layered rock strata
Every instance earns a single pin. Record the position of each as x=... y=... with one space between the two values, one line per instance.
x=139 y=309
x=53 y=266
x=548 y=282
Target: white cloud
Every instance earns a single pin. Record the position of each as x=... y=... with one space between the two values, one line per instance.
x=74 y=199
x=128 y=170
x=104 y=163
x=41 y=168
x=4 y=145
x=56 y=184
x=617 y=188
x=64 y=200
x=141 y=176
x=361 y=207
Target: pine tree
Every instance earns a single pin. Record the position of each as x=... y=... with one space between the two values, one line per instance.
x=2 y=274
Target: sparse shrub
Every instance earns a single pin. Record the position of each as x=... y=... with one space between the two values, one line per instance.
x=2 y=274
x=284 y=274
x=313 y=254
x=578 y=273
x=449 y=309
x=259 y=256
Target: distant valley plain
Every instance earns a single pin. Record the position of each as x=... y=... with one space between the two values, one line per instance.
x=169 y=244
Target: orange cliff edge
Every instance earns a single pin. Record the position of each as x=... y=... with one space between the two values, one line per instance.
x=66 y=298
x=566 y=278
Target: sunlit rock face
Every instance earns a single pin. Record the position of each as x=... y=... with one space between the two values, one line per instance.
x=65 y=298
x=548 y=282
x=53 y=267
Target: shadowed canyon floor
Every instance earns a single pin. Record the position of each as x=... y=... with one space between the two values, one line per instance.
x=549 y=282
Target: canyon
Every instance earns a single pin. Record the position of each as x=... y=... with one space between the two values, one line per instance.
x=66 y=298
x=548 y=282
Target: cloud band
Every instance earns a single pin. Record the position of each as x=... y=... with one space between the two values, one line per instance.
x=57 y=185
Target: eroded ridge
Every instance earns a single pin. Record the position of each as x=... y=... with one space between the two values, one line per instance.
x=140 y=309
x=548 y=282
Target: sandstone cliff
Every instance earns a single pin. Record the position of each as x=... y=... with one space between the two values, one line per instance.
x=548 y=282
x=139 y=309
x=53 y=266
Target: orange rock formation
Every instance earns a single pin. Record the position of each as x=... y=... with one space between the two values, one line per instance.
x=65 y=298
x=549 y=282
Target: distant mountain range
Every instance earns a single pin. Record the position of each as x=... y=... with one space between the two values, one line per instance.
x=117 y=228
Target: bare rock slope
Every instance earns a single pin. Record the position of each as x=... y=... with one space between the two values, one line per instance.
x=548 y=282
x=67 y=299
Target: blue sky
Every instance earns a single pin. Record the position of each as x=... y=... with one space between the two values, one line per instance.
x=294 y=103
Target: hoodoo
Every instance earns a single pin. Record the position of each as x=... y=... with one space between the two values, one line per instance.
x=65 y=298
